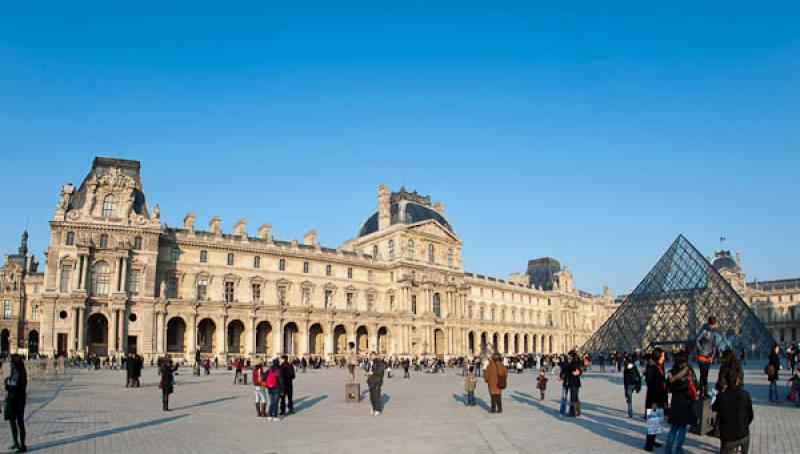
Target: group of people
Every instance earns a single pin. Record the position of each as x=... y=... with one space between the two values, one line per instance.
x=274 y=388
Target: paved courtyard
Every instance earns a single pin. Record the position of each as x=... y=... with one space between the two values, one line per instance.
x=92 y=411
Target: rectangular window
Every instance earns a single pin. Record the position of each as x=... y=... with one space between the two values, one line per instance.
x=305 y=267
x=66 y=277
x=349 y=300
x=306 y=297
x=256 y=293
x=282 y=296
x=229 y=288
x=328 y=298
x=172 y=287
x=202 y=289
x=413 y=304
x=370 y=303
x=369 y=275
x=35 y=313
x=7 y=309
x=282 y=264
x=133 y=281
x=349 y=273
x=391 y=302
x=328 y=270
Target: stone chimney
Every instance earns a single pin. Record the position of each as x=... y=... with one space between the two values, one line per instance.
x=739 y=259
x=240 y=228
x=188 y=222
x=310 y=237
x=214 y=225
x=384 y=214
x=263 y=231
x=439 y=207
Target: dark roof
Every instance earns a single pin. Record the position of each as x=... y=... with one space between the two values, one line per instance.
x=725 y=263
x=779 y=284
x=100 y=166
x=404 y=211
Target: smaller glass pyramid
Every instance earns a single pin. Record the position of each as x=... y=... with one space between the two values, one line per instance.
x=673 y=302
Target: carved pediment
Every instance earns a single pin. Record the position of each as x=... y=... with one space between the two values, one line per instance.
x=115 y=179
x=433 y=228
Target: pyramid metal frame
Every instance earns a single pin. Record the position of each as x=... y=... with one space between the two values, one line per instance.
x=673 y=302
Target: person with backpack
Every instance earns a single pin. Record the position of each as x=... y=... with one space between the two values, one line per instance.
x=772 y=370
x=707 y=343
x=273 y=384
x=260 y=391
x=496 y=377
x=632 y=381
x=684 y=393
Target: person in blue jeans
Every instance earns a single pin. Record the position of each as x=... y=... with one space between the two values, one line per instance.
x=683 y=387
x=274 y=389
x=632 y=381
x=564 y=388
x=773 y=367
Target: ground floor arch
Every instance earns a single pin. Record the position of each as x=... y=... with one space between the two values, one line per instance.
x=438 y=342
x=97 y=334
x=291 y=339
x=383 y=340
x=33 y=342
x=235 y=337
x=176 y=335
x=339 y=340
x=362 y=339
x=316 y=340
x=263 y=338
x=471 y=343
x=207 y=336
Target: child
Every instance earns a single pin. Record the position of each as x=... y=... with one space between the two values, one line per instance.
x=469 y=386
x=541 y=384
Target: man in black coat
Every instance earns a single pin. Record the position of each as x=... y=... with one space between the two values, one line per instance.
x=375 y=381
x=287 y=376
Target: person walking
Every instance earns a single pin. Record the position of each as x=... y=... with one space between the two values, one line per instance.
x=259 y=390
x=16 y=396
x=470 y=383
x=734 y=414
x=406 y=366
x=681 y=410
x=238 y=364
x=656 y=397
x=541 y=384
x=374 y=382
x=273 y=385
x=167 y=383
x=632 y=380
x=496 y=377
x=772 y=370
x=574 y=373
x=287 y=387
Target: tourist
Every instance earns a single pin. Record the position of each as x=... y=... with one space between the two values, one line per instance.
x=632 y=381
x=734 y=414
x=406 y=366
x=541 y=384
x=684 y=393
x=519 y=366
x=374 y=382
x=602 y=359
x=207 y=366
x=573 y=374
x=259 y=390
x=470 y=382
x=562 y=375
x=16 y=395
x=237 y=364
x=496 y=377
x=772 y=370
x=707 y=345
x=287 y=388
x=352 y=361
x=167 y=382
x=656 y=397
x=727 y=360
x=273 y=384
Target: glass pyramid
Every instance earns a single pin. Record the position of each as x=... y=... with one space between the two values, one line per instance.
x=673 y=302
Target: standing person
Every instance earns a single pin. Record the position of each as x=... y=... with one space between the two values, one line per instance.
x=374 y=382
x=773 y=368
x=167 y=383
x=632 y=381
x=707 y=345
x=496 y=377
x=259 y=390
x=406 y=366
x=273 y=384
x=541 y=384
x=562 y=375
x=16 y=396
x=656 y=390
x=129 y=371
x=470 y=383
x=734 y=414
x=681 y=410
x=138 y=365
x=237 y=364
x=574 y=379
x=287 y=388
x=352 y=361
x=602 y=359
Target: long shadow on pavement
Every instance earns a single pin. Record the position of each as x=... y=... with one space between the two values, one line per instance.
x=203 y=404
x=103 y=433
x=478 y=401
x=304 y=402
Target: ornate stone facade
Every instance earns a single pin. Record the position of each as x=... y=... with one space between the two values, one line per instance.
x=117 y=280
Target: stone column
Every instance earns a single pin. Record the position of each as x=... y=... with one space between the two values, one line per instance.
x=159 y=332
x=222 y=335
x=373 y=337
x=81 y=322
x=84 y=273
x=277 y=344
x=251 y=336
x=192 y=335
x=73 y=331
x=124 y=275
x=329 y=340
x=304 y=340
x=112 y=338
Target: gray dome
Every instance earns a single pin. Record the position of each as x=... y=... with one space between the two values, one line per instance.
x=405 y=212
x=725 y=262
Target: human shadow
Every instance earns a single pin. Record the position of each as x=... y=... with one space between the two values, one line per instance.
x=203 y=404
x=103 y=433
x=478 y=401
x=305 y=402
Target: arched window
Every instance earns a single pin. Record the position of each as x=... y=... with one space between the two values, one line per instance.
x=70 y=239
x=410 y=249
x=109 y=206
x=375 y=251
x=282 y=264
x=230 y=258
x=203 y=256
x=437 y=304
x=100 y=272
x=104 y=240
x=450 y=258
x=137 y=243
x=391 y=249
x=256 y=262
x=175 y=254
x=430 y=253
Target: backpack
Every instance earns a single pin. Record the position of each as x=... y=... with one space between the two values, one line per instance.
x=272 y=379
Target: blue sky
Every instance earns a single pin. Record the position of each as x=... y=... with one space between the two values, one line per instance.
x=591 y=132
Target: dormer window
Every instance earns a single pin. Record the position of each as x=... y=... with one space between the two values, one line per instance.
x=203 y=256
x=109 y=206
x=137 y=243
x=104 y=241
x=70 y=239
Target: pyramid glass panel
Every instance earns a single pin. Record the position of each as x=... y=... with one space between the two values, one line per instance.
x=673 y=301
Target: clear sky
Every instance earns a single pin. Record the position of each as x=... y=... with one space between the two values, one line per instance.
x=592 y=132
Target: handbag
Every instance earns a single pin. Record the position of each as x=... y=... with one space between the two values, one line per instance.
x=655 y=420
x=691 y=389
